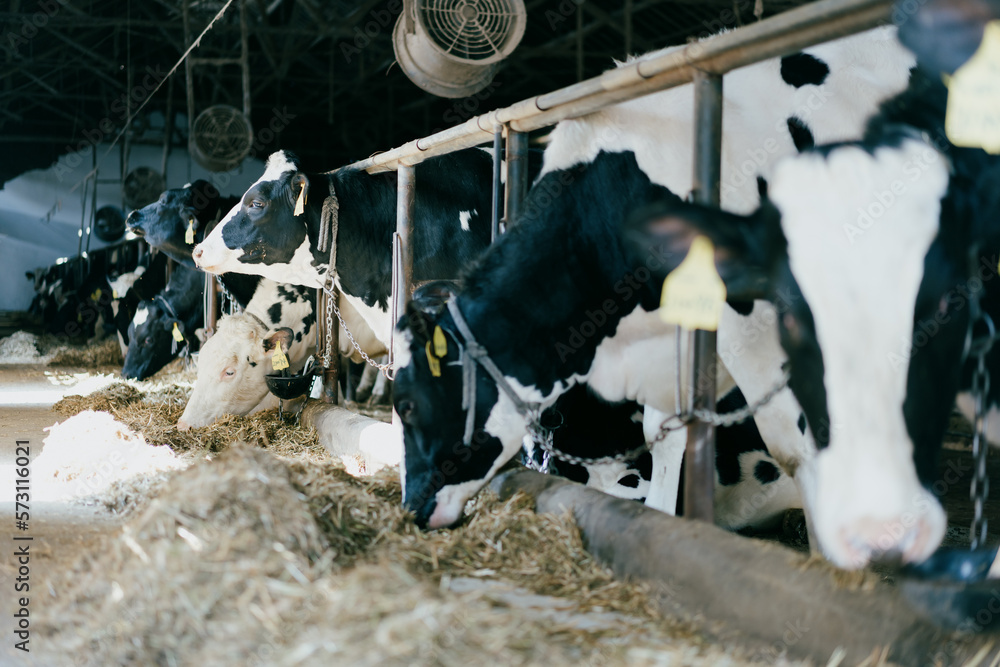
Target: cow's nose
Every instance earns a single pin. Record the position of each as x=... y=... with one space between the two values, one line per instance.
x=132 y=222
x=903 y=538
x=183 y=426
x=197 y=253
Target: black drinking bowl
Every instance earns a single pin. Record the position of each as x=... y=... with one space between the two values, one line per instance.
x=287 y=388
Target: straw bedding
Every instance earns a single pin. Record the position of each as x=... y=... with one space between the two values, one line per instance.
x=264 y=551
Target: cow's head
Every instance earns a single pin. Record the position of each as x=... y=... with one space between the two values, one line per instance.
x=165 y=222
x=840 y=248
x=440 y=471
x=231 y=369
x=262 y=234
x=151 y=341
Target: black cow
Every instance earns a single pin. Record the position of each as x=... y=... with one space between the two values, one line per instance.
x=152 y=343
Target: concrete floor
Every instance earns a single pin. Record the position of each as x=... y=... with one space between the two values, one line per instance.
x=61 y=531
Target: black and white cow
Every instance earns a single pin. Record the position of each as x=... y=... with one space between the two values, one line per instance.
x=233 y=362
x=751 y=490
x=559 y=300
x=874 y=249
x=151 y=339
x=262 y=236
x=164 y=224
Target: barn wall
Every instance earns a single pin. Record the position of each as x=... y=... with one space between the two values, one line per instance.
x=40 y=213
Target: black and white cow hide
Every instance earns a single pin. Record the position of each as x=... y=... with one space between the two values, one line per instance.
x=560 y=301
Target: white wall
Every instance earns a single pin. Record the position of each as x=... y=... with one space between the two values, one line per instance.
x=40 y=210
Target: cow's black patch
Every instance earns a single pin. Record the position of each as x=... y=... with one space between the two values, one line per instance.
x=742 y=307
x=802 y=423
x=631 y=481
x=253 y=364
x=766 y=472
x=732 y=441
x=802 y=69
x=298 y=337
x=274 y=312
x=802 y=136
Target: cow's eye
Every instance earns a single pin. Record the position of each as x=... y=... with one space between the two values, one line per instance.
x=148 y=341
x=256 y=203
x=407 y=410
x=229 y=373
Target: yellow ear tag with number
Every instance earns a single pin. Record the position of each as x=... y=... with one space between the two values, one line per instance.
x=176 y=333
x=972 y=118
x=300 y=203
x=279 y=361
x=440 y=343
x=433 y=361
x=693 y=293
x=189 y=234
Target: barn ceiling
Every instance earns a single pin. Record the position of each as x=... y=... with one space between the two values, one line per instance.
x=323 y=76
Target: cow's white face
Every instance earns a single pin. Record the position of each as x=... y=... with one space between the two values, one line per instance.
x=231 y=369
x=261 y=235
x=858 y=227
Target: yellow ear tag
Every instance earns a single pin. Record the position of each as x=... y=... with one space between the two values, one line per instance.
x=972 y=118
x=279 y=361
x=300 y=203
x=693 y=293
x=96 y=296
x=440 y=343
x=176 y=333
x=114 y=294
x=433 y=361
x=189 y=234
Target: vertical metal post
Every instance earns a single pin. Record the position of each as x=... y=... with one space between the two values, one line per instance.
x=331 y=375
x=517 y=175
x=406 y=191
x=211 y=302
x=699 y=479
x=497 y=186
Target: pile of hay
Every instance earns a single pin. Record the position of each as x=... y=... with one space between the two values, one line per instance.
x=246 y=559
x=93 y=456
x=20 y=347
x=99 y=355
x=153 y=408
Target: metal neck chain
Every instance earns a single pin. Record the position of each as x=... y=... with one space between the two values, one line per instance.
x=229 y=304
x=386 y=369
x=980 y=486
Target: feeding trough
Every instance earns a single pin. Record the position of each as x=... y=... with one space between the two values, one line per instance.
x=287 y=386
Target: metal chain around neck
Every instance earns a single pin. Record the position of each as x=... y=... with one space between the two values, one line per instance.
x=979 y=488
x=386 y=369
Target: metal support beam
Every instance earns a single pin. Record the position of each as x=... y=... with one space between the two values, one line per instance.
x=699 y=476
x=406 y=193
x=517 y=175
x=211 y=304
x=497 y=185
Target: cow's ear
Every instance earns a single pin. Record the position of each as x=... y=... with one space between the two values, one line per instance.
x=284 y=335
x=202 y=192
x=432 y=296
x=299 y=191
x=660 y=235
x=418 y=321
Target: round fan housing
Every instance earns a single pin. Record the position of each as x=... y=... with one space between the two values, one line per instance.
x=451 y=47
x=109 y=223
x=142 y=186
x=221 y=137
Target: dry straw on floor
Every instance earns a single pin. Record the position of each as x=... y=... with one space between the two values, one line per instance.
x=247 y=558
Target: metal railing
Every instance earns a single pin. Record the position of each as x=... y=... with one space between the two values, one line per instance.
x=703 y=62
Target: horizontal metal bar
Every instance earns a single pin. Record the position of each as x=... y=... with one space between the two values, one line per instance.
x=779 y=35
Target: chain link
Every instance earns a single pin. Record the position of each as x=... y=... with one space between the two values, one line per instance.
x=543 y=436
x=980 y=486
x=384 y=368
